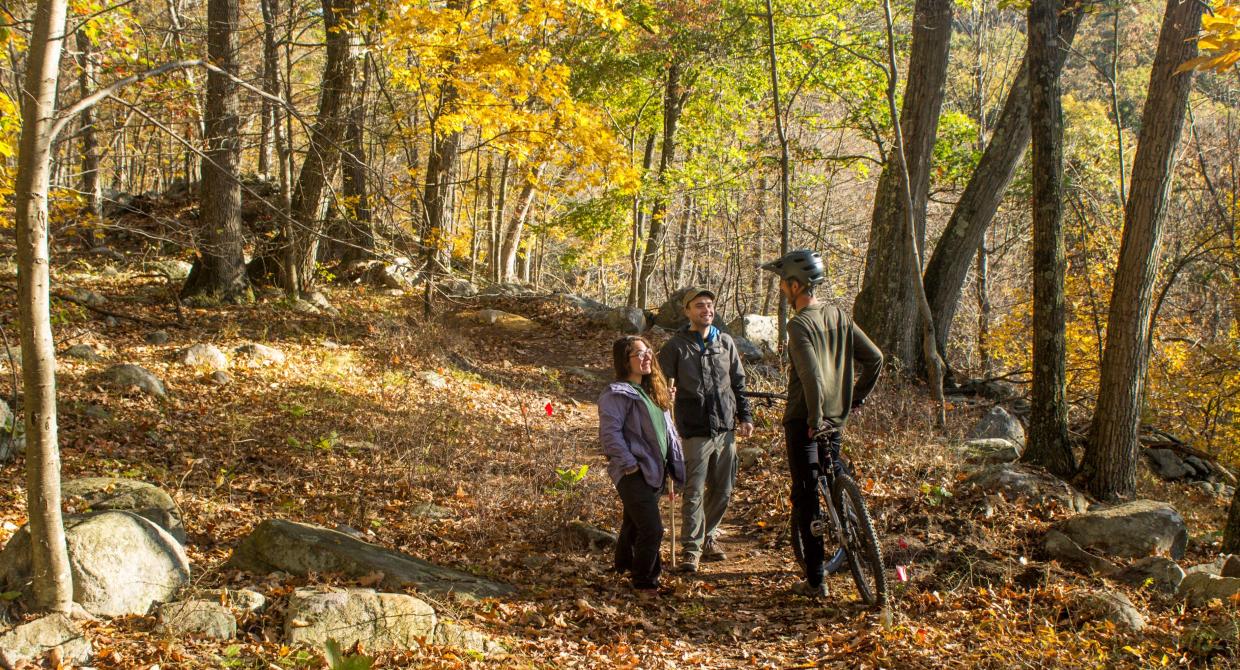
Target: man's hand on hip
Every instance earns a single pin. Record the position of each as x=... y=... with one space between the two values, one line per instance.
x=745 y=429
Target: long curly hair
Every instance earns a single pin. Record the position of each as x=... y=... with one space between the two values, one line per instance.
x=654 y=383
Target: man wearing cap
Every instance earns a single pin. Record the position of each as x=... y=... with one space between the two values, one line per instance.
x=705 y=368
x=826 y=350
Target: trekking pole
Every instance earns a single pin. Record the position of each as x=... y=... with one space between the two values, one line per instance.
x=671 y=490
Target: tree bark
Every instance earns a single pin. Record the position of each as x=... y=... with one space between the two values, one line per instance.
x=639 y=224
x=1231 y=534
x=52 y=580
x=949 y=264
x=1048 y=422
x=886 y=307
x=293 y=264
x=220 y=269
x=674 y=96
x=511 y=241
x=90 y=141
x=360 y=235
x=785 y=167
x=1110 y=466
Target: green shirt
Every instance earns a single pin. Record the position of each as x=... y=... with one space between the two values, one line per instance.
x=656 y=419
x=833 y=366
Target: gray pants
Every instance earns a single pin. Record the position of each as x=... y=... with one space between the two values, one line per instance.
x=710 y=472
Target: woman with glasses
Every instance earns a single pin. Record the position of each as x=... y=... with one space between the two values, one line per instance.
x=643 y=450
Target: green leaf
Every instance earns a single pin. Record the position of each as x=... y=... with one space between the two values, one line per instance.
x=10 y=595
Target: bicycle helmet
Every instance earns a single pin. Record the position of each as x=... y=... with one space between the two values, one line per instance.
x=803 y=265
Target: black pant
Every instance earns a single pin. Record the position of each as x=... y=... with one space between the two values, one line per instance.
x=803 y=460
x=641 y=532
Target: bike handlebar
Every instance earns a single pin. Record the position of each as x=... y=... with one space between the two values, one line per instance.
x=765 y=395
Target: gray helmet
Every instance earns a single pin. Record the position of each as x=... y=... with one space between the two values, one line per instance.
x=803 y=265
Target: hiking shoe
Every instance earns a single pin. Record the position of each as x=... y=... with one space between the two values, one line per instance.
x=712 y=553
x=804 y=588
x=688 y=563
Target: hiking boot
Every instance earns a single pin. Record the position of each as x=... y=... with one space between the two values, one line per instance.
x=804 y=588
x=712 y=553
x=688 y=563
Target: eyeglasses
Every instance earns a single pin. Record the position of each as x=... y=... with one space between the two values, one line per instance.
x=642 y=354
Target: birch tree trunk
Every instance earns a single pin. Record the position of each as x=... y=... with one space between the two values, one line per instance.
x=52 y=581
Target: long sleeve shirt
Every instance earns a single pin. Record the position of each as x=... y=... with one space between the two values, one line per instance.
x=826 y=350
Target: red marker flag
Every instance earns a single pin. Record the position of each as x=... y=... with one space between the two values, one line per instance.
x=548 y=408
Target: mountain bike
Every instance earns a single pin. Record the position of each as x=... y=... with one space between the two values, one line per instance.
x=844 y=515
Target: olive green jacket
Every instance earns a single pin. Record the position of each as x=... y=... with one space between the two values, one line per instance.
x=826 y=350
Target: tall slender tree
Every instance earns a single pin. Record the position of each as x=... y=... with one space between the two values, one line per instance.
x=1110 y=464
x=220 y=269
x=52 y=580
x=1048 y=422
x=887 y=305
x=949 y=263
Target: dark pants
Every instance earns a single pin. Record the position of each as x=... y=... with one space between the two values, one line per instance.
x=641 y=532
x=803 y=460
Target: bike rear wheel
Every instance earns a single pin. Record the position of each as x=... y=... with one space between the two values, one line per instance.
x=865 y=556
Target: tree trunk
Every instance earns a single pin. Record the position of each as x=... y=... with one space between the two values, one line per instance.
x=51 y=578
x=1231 y=534
x=949 y=264
x=511 y=242
x=639 y=224
x=886 y=307
x=674 y=96
x=90 y=141
x=220 y=269
x=360 y=236
x=1110 y=466
x=785 y=166
x=1048 y=422
x=293 y=264
x=497 y=223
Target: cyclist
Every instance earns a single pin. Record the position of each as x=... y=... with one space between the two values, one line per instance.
x=705 y=367
x=643 y=450
x=825 y=351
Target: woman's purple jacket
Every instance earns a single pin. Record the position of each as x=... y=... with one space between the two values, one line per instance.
x=628 y=437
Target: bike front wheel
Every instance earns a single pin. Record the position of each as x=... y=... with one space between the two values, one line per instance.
x=865 y=555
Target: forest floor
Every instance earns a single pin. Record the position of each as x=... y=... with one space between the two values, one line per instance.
x=350 y=430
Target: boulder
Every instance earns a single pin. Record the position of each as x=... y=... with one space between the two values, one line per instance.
x=261 y=353
x=762 y=331
x=1166 y=464
x=1214 y=567
x=1099 y=605
x=99 y=494
x=219 y=378
x=350 y=616
x=997 y=423
x=174 y=269
x=591 y=536
x=1132 y=530
x=84 y=352
x=400 y=273
x=320 y=302
x=1158 y=572
x=1061 y=548
x=988 y=451
x=627 y=320
x=89 y=298
x=591 y=309
x=243 y=600
x=301 y=549
x=29 y=641
x=1231 y=566
x=128 y=375
x=121 y=563
x=1031 y=484
x=157 y=337
x=749 y=353
x=203 y=356
x=453 y=634
x=196 y=618
x=1200 y=588
x=1201 y=469
x=458 y=288
x=512 y=323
